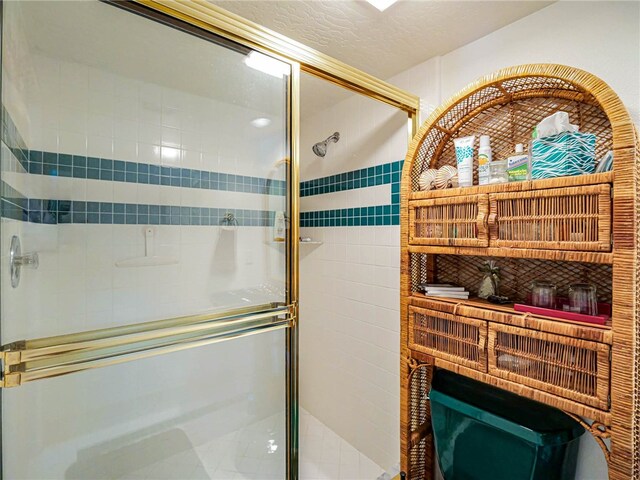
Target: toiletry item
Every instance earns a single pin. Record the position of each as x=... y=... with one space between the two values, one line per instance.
x=568 y=153
x=518 y=165
x=484 y=159
x=464 y=158
x=427 y=178
x=279 y=228
x=498 y=172
x=553 y=125
x=447 y=177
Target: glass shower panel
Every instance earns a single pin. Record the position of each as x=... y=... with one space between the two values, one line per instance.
x=146 y=166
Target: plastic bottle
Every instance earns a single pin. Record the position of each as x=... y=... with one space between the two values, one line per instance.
x=484 y=159
x=464 y=157
x=279 y=228
x=518 y=165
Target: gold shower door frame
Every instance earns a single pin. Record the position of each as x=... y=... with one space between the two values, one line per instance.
x=32 y=360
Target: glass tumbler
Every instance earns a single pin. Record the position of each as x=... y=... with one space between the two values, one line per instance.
x=583 y=299
x=543 y=294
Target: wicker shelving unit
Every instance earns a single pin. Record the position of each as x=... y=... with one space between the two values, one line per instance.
x=568 y=229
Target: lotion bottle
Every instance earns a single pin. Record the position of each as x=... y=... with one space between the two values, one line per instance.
x=484 y=159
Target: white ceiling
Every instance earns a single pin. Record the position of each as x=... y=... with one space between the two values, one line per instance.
x=380 y=43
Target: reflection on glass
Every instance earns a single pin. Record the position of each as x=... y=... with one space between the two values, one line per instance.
x=214 y=412
x=133 y=165
x=137 y=148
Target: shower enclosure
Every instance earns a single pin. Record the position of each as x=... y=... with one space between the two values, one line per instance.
x=147 y=149
x=143 y=163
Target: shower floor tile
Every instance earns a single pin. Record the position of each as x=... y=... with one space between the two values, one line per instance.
x=254 y=452
x=325 y=455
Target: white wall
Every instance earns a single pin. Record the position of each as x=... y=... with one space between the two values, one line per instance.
x=600 y=37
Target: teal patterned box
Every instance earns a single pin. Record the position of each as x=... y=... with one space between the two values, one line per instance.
x=568 y=153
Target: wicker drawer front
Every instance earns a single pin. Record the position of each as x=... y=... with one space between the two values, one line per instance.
x=566 y=367
x=456 y=221
x=453 y=338
x=577 y=218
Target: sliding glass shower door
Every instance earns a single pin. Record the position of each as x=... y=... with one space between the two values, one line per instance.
x=146 y=262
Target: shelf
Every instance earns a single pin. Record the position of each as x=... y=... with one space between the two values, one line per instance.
x=557 y=255
x=578 y=180
x=311 y=243
x=482 y=309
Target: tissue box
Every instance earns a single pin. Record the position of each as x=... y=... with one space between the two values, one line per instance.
x=568 y=153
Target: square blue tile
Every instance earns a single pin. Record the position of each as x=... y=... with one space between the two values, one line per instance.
x=79 y=161
x=107 y=164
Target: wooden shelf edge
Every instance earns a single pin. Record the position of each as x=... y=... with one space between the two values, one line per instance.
x=560 y=182
x=529 y=392
x=505 y=314
x=557 y=255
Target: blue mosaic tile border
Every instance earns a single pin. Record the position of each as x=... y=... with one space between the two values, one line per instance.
x=364 y=177
x=352 y=217
x=78 y=166
x=13 y=140
x=84 y=167
x=379 y=215
x=55 y=212
x=16 y=206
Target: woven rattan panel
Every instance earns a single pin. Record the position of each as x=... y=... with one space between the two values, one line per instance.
x=450 y=337
x=578 y=370
x=636 y=367
x=418 y=465
x=517 y=274
x=506 y=124
x=420 y=456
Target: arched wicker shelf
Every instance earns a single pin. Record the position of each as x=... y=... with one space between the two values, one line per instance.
x=599 y=246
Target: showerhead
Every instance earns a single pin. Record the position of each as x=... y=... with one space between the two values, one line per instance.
x=320 y=148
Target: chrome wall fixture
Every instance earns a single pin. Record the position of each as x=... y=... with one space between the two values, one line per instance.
x=320 y=148
x=17 y=261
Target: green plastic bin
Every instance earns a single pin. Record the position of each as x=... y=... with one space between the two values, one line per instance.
x=485 y=433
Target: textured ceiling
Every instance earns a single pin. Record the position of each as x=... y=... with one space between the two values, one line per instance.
x=380 y=43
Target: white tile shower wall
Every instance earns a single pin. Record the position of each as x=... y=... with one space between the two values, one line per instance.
x=349 y=335
x=559 y=33
x=76 y=109
x=349 y=330
x=82 y=110
x=77 y=286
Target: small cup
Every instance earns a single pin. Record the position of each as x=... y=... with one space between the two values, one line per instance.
x=543 y=294
x=583 y=299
